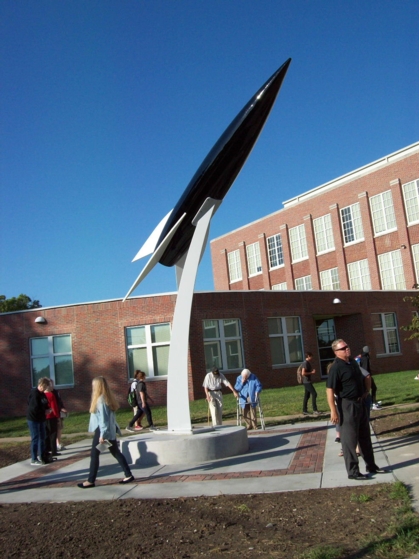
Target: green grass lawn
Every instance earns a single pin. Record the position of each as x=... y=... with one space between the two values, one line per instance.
x=393 y=388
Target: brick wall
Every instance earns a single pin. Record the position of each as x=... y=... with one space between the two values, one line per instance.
x=98 y=338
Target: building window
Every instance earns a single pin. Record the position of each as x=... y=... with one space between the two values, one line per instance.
x=323 y=234
x=234 y=266
x=415 y=252
x=276 y=255
x=280 y=286
x=148 y=349
x=352 y=224
x=285 y=339
x=298 y=243
x=329 y=280
x=386 y=338
x=391 y=270
x=52 y=357
x=254 y=264
x=411 y=201
x=359 y=276
x=303 y=284
x=382 y=210
x=223 y=344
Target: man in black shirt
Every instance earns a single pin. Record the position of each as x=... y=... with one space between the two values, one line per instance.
x=347 y=382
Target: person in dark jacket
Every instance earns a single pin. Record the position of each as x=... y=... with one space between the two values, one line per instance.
x=37 y=408
x=365 y=364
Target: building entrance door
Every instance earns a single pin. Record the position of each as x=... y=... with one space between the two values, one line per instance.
x=326 y=333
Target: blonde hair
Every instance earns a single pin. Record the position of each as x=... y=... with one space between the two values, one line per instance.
x=100 y=387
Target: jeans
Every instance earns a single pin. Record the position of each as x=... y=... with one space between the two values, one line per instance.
x=139 y=413
x=95 y=453
x=309 y=390
x=37 y=431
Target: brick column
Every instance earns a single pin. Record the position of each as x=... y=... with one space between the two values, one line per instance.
x=265 y=262
x=311 y=249
x=289 y=272
x=243 y=263
x=369 y=240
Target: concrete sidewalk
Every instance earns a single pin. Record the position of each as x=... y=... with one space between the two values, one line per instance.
x=282 y=458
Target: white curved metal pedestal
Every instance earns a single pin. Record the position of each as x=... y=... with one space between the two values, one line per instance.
x=178 y=414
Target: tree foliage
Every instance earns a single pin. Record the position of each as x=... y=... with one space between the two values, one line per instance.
x=21 y=303
x=413 y=327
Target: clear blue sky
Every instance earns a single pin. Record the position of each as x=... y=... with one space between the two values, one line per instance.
x=109 y=106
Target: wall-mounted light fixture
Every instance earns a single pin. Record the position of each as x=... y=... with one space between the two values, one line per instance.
x=402 y=246
x=336 y=301
x=40 y=320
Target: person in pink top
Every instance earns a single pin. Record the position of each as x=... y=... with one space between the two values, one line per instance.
x=52 y=417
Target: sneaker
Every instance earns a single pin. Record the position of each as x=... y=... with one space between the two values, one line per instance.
x=416 y=377
x=152 y=428
x=305 y=413
x=316 y=413
x=337 y=440
x=60 y=447
x=37 y=463
x=139 y=428
x=130 y=429
x=376 y=407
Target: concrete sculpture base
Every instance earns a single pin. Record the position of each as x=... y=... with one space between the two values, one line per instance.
x=201 y=445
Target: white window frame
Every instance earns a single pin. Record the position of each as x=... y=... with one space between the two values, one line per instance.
x=222 y=358
x=254 y=262
x=150 y=347
x=359 y=275
x=391 y=271
x=415 y=253
x=329 y=280
x=51 y=356
x=323 y=234
x=234 y=266
x=351 y=222
x=289 y=341
x=275 y=251
x=303 y=284
x=389 y=335
x=382 y=213
x=298 y=243
x=411 y=201
x=279 y=286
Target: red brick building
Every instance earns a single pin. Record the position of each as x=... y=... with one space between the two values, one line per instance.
x=266 y=331
x=357 y=232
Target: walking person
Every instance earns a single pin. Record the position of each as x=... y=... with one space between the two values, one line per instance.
x=248 y=387
x=212 y=384
x=103 y=423
x=307 y=372
x=142 y=403
x=36 y=417
x=346 y=381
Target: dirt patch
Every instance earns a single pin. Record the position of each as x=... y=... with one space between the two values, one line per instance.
x=280 y=525
x=392 y=423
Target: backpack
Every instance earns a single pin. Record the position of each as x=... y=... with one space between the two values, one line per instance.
x=132 y=398
x=300 y=374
